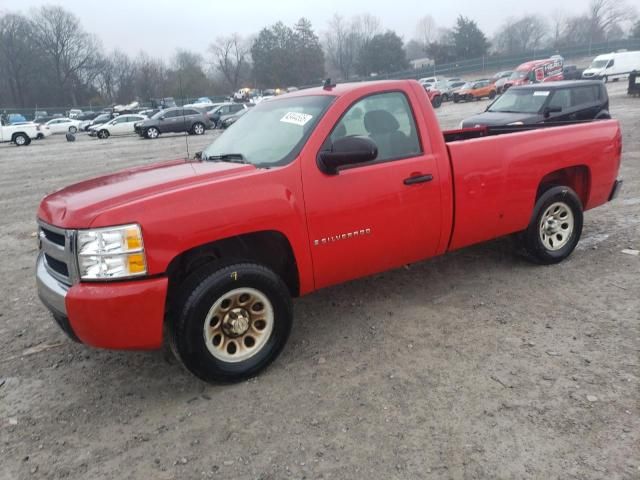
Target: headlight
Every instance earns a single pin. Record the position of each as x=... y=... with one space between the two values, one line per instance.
x=111 y=253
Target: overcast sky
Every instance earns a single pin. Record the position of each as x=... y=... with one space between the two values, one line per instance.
x=161 y=26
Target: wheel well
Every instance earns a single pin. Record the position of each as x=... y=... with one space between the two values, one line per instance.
x=577 y=178
x=269 y=248
x=15 y=134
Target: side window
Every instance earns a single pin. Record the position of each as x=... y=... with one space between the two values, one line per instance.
x=561 y=98
x=190 y=112
x=171 y=114
x=236 y=108
x=386 y=119
x=583 y=95
x=224 y=110
x=611 y=63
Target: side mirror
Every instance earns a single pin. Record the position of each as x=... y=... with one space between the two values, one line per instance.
x=549 y=110
x=347 y=151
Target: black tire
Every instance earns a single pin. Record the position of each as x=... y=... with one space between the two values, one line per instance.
x=40 y=136
x=73 y=129
x=492 y=95
x=456 y=99
x=103 y=134
x=198 y=128
x=445 y=97
x=151 y=132
x=21 y=139
x=196 y=297
x=437 y=101
x=469 y=98
x=537 y=250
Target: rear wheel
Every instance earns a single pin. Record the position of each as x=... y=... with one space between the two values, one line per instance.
x=555 y=227
x=103 y=134
x=229 y=323
x=198 y=128
x=21 y=139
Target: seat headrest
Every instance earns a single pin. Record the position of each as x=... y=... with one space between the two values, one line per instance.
x=380 y=121
x=340 y=131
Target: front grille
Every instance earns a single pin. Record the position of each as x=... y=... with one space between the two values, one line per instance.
x=57 y=245
x=56 y=265
x=57 y=238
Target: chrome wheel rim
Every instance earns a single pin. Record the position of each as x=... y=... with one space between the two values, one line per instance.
x=73 y=129
x=20 y=140
x=152 y=132
x=199 y=129
x=238 y=325
x=556 y=226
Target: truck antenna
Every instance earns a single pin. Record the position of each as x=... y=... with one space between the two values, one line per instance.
x=328 y=85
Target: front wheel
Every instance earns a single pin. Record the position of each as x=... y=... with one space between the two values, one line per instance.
x=229 y=323
x=555 y=227
x=103 y=134
x=437 y=101
x=151 y=132
x=73 y=129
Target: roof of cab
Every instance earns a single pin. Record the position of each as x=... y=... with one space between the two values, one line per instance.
x=344 y=88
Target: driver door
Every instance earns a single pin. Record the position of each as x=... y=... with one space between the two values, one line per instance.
x=378 y=215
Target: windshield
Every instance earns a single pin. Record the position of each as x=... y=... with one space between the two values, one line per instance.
x=520 y=101
x=518 y=74
x=598 y=64
x=273 y=132
x=103 y=117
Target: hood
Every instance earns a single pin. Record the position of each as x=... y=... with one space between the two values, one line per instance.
x=497 y=119
x=592 y=71
x=76 y=206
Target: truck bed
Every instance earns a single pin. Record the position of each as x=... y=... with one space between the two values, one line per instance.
x=477 y=132
x=496 y=176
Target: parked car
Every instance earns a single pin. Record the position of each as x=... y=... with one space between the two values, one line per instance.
x=548 y=70
x=311 y=189
x=571 y=72
x=225 y=110
x=39 y=114
x=613 y=66
x=14 y=118
x=500 y=78
x=475 y=91
x=20 y=134
x=171 y=120
x=162 y=103
x=455 y=80
x=98 y=120
x=430 y=80
x=202 y=102
x=447 y=88
x=564 y=101
x=231 y=119
x=435 y=96
x=121 y=125
x=63 y=125
x=74 y=113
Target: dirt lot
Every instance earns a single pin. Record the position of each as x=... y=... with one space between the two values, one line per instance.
x=475 y=365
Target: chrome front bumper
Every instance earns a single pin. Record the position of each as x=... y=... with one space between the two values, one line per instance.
x=51 y=291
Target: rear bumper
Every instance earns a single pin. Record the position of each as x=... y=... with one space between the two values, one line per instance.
x=115 y=315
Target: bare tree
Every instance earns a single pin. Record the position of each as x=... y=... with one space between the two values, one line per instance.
x=605 y=15
x=231 y=59
x=426 y=31
x=69 y=49
x=521 y=35
x=341 y=44
x=16 y=55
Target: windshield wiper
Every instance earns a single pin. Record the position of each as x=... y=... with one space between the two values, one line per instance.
x=226 y=157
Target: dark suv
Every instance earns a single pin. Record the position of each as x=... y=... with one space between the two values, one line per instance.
x=176 y=119
x=550 y=102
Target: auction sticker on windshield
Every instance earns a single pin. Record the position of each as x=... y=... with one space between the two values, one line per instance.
x=541 y=93
x=296 y=118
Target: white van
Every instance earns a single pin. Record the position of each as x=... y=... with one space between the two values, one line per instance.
x=612 y=66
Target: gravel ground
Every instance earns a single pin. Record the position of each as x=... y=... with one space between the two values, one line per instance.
x=474 y=365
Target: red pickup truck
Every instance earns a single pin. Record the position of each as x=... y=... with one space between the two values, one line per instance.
x=308 y=190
